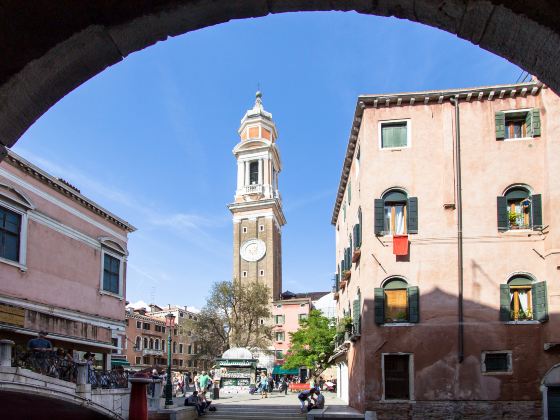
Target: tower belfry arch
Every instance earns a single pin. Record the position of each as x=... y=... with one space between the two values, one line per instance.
x=257 y=208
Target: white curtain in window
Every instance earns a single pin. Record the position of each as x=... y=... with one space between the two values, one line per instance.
x=523 y=301
x=399 y=220
x=387 y=227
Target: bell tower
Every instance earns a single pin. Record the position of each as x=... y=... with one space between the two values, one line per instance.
x=257 y=207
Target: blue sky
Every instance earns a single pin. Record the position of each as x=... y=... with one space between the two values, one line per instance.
x=150 y=138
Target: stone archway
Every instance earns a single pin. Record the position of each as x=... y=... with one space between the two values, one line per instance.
x=551 y=390
x=51 y=48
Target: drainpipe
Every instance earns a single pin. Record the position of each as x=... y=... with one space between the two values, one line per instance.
x=461 y=339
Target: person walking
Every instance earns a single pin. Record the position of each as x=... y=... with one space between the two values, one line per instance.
x=264 y=385
x=284 y=385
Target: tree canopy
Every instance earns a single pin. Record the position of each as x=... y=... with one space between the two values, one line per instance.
x=232 y=318
x=312 y=345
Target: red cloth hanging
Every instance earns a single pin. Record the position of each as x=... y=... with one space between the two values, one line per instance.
x=400 y=244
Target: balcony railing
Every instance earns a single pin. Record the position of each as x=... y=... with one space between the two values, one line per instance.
x=63 y=367
x=252 y=189
x=152 y=352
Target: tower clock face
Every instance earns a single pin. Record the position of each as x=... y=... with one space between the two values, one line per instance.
x=253 y=250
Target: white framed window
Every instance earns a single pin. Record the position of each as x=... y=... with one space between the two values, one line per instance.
x=518 y=124
x=394 y=134
x=244 y=274
x=398 y=376
x=261 y=273
x=112 y=270
x=13 y=235
x=496 y=362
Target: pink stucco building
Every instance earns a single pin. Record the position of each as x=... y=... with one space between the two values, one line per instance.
x=62 y=263
x=447 y=254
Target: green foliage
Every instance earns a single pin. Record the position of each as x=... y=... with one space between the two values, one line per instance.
x=312 y=344
x=231 y=318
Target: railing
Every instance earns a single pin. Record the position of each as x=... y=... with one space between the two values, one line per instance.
x=152 y=352
x=253 y=189
x=47 y=363
x=63 y=367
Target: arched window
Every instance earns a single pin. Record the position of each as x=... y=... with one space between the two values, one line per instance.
x=518 y=209
x=145 y=342
x=151 y=343
x=174 y=347
x=523 y=299
x=163 y=345
x=156 y=344
x=138 y=343
x=396 y=214
x=396 y=302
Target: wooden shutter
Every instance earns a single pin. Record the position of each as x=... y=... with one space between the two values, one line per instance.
x=536 y=211
x=504 y=303
x=360 y=225
x=412 y=215
x=356 y=315
x=379 y=295
x=349 y=191
x=379 y=206
x=413 y=304
x=500 y=125
x=502 y=214
x=540 y=306
x=535 y=122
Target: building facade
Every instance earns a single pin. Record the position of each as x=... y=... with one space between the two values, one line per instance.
x=147 y=339
x=447 y=247
x=257 y=208
x=62 y=264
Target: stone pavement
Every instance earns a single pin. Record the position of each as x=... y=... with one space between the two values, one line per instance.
x=277 y=406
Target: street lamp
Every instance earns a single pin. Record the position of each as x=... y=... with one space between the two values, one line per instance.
x=169 y=323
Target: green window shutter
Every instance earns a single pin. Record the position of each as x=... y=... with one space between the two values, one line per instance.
x=500 y=125
x=379 y=206
x=360 y=225
x=536 y=211
x=379 y=294
x=412 y=215
x=356 y=315
x=535 y=122
x=349 y=191
x=502 y=214
x=505 y=300
x=413 y=304
x=540 y=306
x=344 y=211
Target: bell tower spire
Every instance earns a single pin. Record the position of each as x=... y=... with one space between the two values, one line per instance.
x=257 y=207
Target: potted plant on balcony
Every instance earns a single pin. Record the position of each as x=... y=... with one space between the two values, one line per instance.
x=356 y=255
x=513 y=220
x=346 y=274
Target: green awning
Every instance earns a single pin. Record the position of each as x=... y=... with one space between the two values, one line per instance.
x=279 y=371
x=119 y=362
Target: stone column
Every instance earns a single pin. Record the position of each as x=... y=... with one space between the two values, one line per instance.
x=6 y=353
x=83 y=389
x=240 y=175
x=155 y=402
x=247 y=165
x=260 y=171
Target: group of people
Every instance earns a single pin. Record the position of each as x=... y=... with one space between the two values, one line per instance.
x=312 y=397
x=202 y=384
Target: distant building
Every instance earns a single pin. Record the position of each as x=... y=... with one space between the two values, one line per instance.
x=62 y=264
x=147 y=338
x=429 y=339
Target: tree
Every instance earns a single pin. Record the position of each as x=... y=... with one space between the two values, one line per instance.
x=312 y=345
x=235 y=315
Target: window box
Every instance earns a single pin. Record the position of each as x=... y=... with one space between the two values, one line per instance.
x=346 y=275
x=343 y=284
x=356 y=255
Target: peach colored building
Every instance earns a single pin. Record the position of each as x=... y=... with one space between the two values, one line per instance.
x=287 y=314
x=62 y=263
x=448 y=254
x=147 y=339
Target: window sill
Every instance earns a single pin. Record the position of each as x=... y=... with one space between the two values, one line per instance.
x=497 y=373
x=104 y=292
x=519 y=139
x=523 y=231
x=395 y=149
x=522 y=322
x=398 y=324
x=21 y=267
